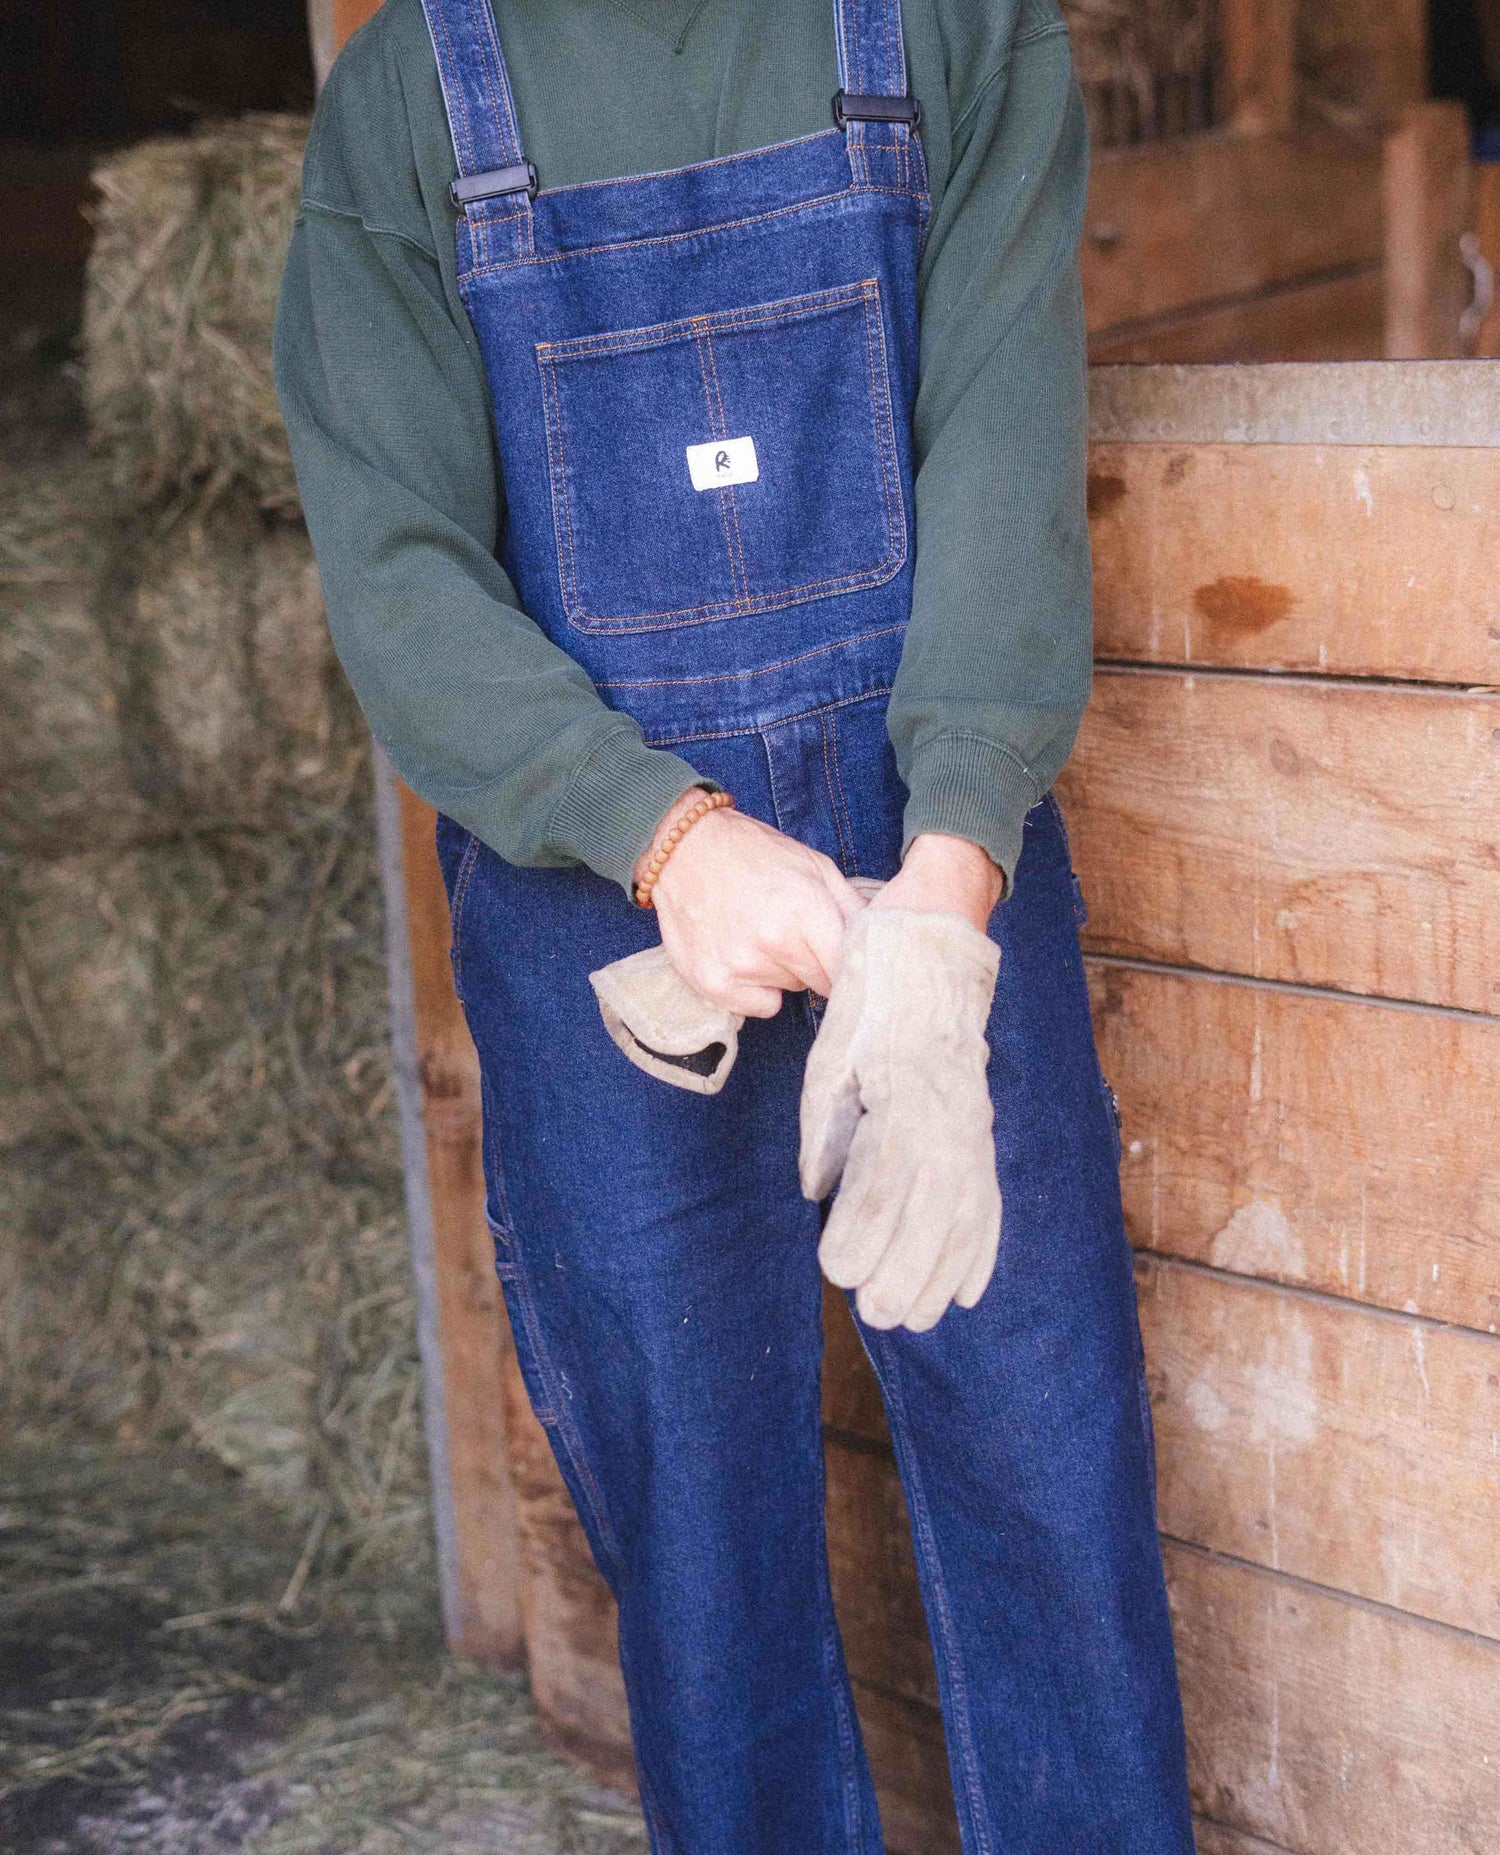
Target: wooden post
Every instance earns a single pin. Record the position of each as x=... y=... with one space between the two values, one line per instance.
x=1259 y=40
x=1487 y=225
x=461 y=1329
x=1429 y=203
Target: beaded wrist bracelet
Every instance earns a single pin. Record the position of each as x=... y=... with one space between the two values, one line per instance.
x=710 y=802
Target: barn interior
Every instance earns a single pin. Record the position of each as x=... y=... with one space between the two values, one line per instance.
x=222 y=1608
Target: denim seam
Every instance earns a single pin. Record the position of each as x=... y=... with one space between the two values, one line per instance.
x=718 y=424
x=834 y=779
x=765 y=746
x=687 y=328
x=837 y=1674
x=675 y=238
x=456 y=909
x=734 y=676
x=562 y=1420
x=781 y=721
x=948 y=1646
x=706 y=346
x=692 y=167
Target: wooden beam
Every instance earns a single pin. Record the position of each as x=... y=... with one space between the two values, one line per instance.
x=1337 y=318
x=1218 y=217
x=1323 y=833
x=1351 y=1448
x=462 y=1333
x=1353 y=560
x=1309 y=1139
x=1258 y=40
x=1429 y=206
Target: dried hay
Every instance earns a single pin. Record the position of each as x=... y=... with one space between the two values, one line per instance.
x=192 y=235
x=221 y=1259
x=1146 y=66
x=220 y=623
x=64 y=774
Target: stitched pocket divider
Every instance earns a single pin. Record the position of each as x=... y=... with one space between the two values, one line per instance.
x=811 y=507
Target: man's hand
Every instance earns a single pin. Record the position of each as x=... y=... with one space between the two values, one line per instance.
x=748 y=913
x=946 y=875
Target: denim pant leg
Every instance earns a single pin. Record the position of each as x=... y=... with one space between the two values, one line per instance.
x=1023 y=1439
x=660 y=1268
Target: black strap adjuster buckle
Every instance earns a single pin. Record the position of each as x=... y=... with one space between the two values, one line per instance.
x=469 y=188
x=847 y=109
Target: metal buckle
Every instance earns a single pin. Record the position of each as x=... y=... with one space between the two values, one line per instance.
x=469 y=188
x=847 y=109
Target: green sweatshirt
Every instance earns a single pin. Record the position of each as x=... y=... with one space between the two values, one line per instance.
x=386 y=403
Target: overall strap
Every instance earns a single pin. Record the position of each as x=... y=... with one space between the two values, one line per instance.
x=872 y=63
x=477 y=96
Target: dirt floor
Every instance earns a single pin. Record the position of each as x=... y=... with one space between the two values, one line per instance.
x=164 y=1687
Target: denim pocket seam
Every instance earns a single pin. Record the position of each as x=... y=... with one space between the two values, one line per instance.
x=461 y=885
x=549 y=354
x=556 y=1417
x=761 y=728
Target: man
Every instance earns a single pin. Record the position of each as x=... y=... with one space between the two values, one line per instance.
x=696 y=478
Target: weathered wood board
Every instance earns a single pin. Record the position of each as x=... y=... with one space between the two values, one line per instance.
x=1331 y=834
x=1219 y=216
x=1337 y=317
x=1356 y=1449
x=1332 y=1726
x=1244 y=556
x=1328 y=1143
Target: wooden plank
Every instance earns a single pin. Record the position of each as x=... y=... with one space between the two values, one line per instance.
x=1255 y=1141
x=1428 y=208
x=463 y=1337
x=572 y=1630
x=1219 y=216
x=1487 y=230
x=875 y=1574
x=1367 y=402
x=1334 y=834
x=1355 y=1449
x=909 y=1762
x=1258 y=51
x=1324 y=1724
x=1338 y=318
x=1240 y=555
x=851 y=1396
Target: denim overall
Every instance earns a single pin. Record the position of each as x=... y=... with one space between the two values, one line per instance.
x=702 y=385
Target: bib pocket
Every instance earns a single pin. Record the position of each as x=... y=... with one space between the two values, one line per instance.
x=725 y=464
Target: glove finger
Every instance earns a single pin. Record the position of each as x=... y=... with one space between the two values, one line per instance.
x=952 y=1270
x=983 y=1266
x=868 y=1210
x=929 y=1228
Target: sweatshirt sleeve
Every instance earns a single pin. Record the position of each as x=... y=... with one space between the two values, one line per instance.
x=387 y=412
x=997 y=664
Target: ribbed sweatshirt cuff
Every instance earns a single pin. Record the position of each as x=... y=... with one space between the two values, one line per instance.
x=966 y=786
x=611 y=807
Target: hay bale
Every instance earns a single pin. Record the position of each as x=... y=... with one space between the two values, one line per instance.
x=192 y=235
x=65 y=780
x=80 y=993
x=230 y=666
x=1146 y=66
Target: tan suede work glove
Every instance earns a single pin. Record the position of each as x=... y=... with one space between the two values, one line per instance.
x=896 y=1102
x=662 y=1024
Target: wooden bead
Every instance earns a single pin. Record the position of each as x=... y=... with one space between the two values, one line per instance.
x=710 y=802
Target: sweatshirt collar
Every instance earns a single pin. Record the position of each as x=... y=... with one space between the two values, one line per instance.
x=673 y=19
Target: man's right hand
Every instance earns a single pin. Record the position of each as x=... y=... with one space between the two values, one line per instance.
x=748 y=913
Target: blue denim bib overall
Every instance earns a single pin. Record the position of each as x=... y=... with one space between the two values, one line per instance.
x=702 y=384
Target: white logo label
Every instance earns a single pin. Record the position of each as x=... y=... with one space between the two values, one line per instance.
x=727 y=460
